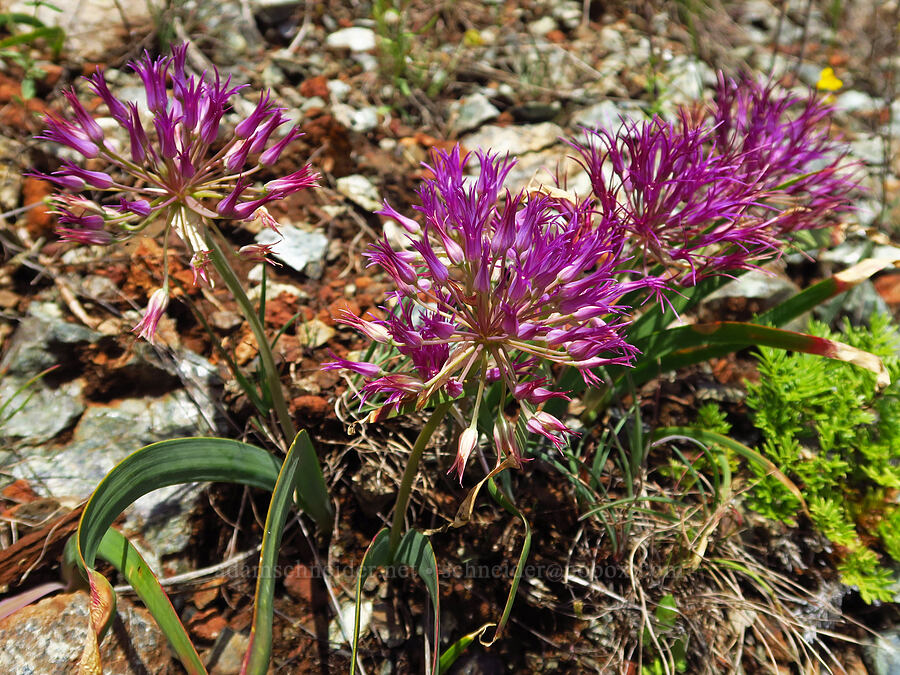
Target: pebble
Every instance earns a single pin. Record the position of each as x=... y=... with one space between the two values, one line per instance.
x=471 y=112
x=542 y=26
x=605 y=115
x=361 y=191
x=346 y=619
x=300 y=250
x=338 y=89
x=362 y=120
x=356 y=39
x=514 y=140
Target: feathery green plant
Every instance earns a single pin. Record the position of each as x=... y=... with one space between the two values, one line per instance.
x=825 y=424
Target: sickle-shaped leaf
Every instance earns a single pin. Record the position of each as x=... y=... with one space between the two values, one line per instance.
x=171 y=462
x=685 y=345
x=256 y=660
x=458 y=648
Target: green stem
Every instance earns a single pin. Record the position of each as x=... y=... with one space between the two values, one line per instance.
x=270 y=373
x=410 y=473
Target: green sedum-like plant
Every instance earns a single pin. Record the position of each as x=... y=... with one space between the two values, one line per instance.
x=826 y=425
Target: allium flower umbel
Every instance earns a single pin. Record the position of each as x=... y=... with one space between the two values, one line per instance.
x=173 y=167
x=719 y=193
x=492 y=287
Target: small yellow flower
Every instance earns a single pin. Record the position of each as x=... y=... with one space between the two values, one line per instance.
x=828 y=81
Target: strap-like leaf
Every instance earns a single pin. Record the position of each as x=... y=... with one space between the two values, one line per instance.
x=507 y=504
x=414 y=551
x=685 y=345
x=118 y=551
x=171 y=462
x=256 y=660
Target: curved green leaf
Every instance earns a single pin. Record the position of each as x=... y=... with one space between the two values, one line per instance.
x=119 y=552
x=458 y=648
x=180 y=460
x=377 y=555
x=256 y=661
x=414 y=551
x=710 y=437
x=685 y=345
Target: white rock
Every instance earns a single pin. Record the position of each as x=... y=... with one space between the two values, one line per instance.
x=360 y=190
x=356 y=39
x=472 y=111
x=857 y=101
x=338 y=89
x=516 y=140
x=542 y=26
x=298 y=249
x=346 y=619
x=362 y=120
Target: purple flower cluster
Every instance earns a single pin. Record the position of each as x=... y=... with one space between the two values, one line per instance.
x=491 y=286
x=177 y=169
x=709 y=196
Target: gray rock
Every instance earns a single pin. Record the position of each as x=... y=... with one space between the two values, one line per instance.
x=47 y=638
x=858 y=304
x=39 y=413
x=356 y=39
x=359 y=190
x=227 y=655
x=883 y=655
x=299 y=249
x=686 y=78
x=92 y=28
x=361 y=121
x=869 y=148
x=757 y=284
x=606 y=115
x=856 y=101
x=514 y=140
x=472 y=111
x=42 y=340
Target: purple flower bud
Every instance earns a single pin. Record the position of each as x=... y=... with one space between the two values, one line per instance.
x=271 y=155
x=95 y=179
x=116 y=108
x=153 y=75
x=165 y=130
x=299 y=180
x=364 y=368
x=226 y=207
x=264 y=109
x=140 y=207
x=156 y=307
x=90 y=126
x=65 y=133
